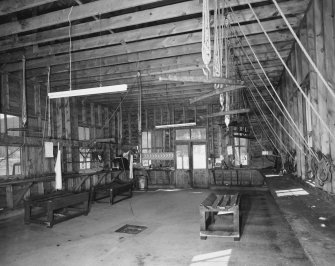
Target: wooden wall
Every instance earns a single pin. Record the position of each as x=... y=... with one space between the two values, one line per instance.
x=317 y=36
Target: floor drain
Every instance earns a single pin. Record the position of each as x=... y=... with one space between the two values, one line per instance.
x=131 y=229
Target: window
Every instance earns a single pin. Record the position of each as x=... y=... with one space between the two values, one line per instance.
x=146 y=146
x=182 y=156
x=13 y=123
x=241 y=151
x=84 y=158
x=10 y=160
x=191 y=134
x=199 y=156
x=183 y=134
x=84 y=133
x=198 y=133
x=2 y=123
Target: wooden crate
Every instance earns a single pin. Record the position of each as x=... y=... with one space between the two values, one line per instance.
x=220 y=217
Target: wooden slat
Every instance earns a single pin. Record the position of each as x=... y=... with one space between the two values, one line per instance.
x=225 y=201
x=12 y=6
x=145 y=16
x=231 y=112
x=217 y=201
x=215 y=92
x=77 y=12
x=142 y=46
x=203 y=79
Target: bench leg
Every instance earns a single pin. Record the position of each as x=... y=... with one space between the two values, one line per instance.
x=27 y=213
x=111 y=197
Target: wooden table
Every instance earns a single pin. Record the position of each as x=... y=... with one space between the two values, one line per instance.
x=56 y=207
x=220 y=216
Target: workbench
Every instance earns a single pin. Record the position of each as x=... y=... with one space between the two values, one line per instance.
x=56 y=207
x=219 y=216
x=117 y=188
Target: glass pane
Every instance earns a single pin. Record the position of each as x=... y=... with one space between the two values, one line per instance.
x=81 y=133
x=14 y=160
x=237 y=141
x=182 y=157
x=13 y=122
x=198 y=133
x=243 y=156
x=144 y=140
x=199 y=156
x=159 y=139
x=87 y=133
x=2 y=123
x=2 y=160
x=237 y=156
x=243 y=142
x=149 y=139
x=183 y=134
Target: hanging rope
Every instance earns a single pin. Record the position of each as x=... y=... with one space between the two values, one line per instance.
x=286 y=114
x=292 y=76
x=70 y=48
x=24 y=96
x=206 y=37
x=217 y=63
x=330 y=90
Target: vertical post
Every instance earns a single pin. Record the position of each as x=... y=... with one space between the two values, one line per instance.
x=329 y=28
x=312 y=76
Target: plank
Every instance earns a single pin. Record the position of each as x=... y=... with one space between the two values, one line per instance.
x=215 y=92
x=157 y=43
x=140 y=17
x=76 y=13
x=320 y=62
x=199 y=79
x=225 y=201
x=231 y=112
x=13 y=6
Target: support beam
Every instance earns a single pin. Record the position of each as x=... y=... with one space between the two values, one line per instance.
x=215 y=92
x=231 y=112
x=13 y=6
x=201 y=79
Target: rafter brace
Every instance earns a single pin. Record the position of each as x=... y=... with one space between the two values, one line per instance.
x=232 y=112
x=215 y=92
x=201 y=79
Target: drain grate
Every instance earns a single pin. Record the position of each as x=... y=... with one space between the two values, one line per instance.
x=131 y=229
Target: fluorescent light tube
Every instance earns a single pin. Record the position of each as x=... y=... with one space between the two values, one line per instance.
x=176 y=125
x=90 y=91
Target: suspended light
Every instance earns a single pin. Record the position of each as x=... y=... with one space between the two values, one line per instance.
x=176 y=125
x=90 y=91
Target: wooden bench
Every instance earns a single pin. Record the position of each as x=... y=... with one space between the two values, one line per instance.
x=56 y=207
x=112 y=190
x=220 y=216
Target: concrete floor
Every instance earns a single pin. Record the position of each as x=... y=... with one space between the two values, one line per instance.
x=172 y=236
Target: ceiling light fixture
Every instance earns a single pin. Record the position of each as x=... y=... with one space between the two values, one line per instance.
x=176 y=125
x=90 y=91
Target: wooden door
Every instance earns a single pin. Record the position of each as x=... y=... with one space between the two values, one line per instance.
x=183 y=173
x=199 y=165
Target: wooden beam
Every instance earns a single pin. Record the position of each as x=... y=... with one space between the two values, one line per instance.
x=136 y=18
x=77 y=12
x=203 y=79
x=215 y=92
x=13 y=6
x=231 y=112
x=141 y=46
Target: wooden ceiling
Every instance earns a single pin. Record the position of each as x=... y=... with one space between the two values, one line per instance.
x=114 y=40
